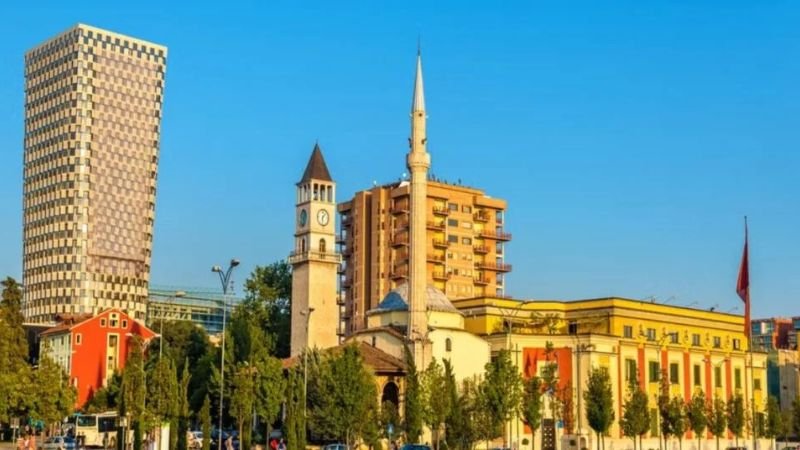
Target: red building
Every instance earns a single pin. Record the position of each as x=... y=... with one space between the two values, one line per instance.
x=91 y=349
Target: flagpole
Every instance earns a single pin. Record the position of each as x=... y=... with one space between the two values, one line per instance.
x=748 y=331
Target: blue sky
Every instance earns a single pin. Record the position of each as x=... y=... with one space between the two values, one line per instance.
x=629 y=138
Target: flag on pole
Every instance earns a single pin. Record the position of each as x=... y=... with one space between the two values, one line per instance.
x=743 y=284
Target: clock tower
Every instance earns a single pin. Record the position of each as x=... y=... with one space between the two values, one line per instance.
x=315 y=310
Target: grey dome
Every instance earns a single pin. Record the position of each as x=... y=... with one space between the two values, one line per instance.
x=397 y=300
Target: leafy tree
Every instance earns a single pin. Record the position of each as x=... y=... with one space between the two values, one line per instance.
x=14 y=368
x=460 y=432
x=205 y=423
x=635 y=420
x=599 y=403
x=242 y=401
x=413 y=414
x=52 y=397
x=532 y=404
x=696 y=415
x=550 y=380
x=564 y=398
x=786 y=425
x=717 y=418
x=162 y=390
x=503 y=388
x=107 y=398
x=389 y=417
x=436 y=407
x=182 y=410
x=663 y=407
x=268 y=293
x=796 y=416
x=677 y=418
x=773 y=426
x=270 y=390
x=295 y=426
x=735 y=416
x=486 y=423
x=134 y=390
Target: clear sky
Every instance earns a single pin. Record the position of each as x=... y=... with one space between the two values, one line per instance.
x=629 y=138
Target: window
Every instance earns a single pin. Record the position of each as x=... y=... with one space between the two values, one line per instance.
x=717 y=342
x=78 y=339
x=452 y=206
x=572 y=328
x=654 y=370
x=466 y=241
x=452 y=222
x=124 y=323
x=674 y=376
x=757 y=384
x=737 y=344
x=696 y=340
x=697 y=375
x=651 y=334
x=673 y=337
x=102 y=323
x=448 y=345
x=113 y=321
x=627 y=331
x=322 y=246
x=452 y=239
x=630 y=369
x=718 y=377
x=466 y=209
x=737 y=378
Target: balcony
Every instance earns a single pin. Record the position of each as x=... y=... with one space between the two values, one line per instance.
x=496 y=267
x=347 y=221
x=481 y=280
x=400 y=208
x=341 y=269
x=436 y=225
x=398 y=273
x=296 y=257
x=480 y=216
x=347 y=251
x=399 y=240
x=481 y=249
x=441 y=211
x=401 y=225
x=441 y=276
x=437 y=259
x=341 y=238
x=347 y=283
x=440 y=243
x=496 y=235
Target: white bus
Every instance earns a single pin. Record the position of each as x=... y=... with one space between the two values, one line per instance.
x=95 y=430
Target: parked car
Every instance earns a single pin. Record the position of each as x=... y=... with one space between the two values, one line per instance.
x=415 y=447
x=56 y=443
x=336 y=447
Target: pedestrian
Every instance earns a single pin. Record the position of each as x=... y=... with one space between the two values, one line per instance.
x=229 y=443
x=273 y=444
x=282 y=445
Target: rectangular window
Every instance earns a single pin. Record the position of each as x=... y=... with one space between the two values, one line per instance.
x=651 y=334
x=717 y=342
x=466 y=209
x=696 y=340
x=124 y=323
x=655 y=371
x=673 y=337
x=452 y=222
x=674 y=376
x=697 y=376
x=627 y=331
x=78 y=339
x=737 y=344
x=452 y=206
x=630 y=369
x=718 y=377
x=737 y=378
x=757 y=384
x=466 y=241
x=453 y=239
x=113 y=321
x=102 y=323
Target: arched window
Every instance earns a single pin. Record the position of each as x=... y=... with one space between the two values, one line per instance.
x=391 y=393
x=448 y=345
x=322 y=246
x=303 y=245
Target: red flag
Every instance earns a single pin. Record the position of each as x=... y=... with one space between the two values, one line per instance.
x=743 y=284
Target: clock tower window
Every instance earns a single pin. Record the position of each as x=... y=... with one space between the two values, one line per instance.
x=322 y=245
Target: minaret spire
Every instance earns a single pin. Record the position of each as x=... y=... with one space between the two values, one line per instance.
x=418 y=161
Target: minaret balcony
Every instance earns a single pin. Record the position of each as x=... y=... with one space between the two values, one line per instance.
x=441 y=211
x=496 y=235
x=299 y=257
x=496 y=267
x=436 y=225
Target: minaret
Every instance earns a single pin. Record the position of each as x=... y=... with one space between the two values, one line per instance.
x=418 y=161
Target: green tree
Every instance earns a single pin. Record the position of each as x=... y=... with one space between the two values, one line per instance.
x=162 y=391
x=796 y=416
x=531 y=410
x=677 y=418
x=717 y=418
x=503 y=389
x=270 y=391
x=413 y=414
x=52 y=397
x=663 y=407
x=599 y=403
x=487 y=425
x=182 y=410
x=242 y=401
x=295 y=426
x=735 y=416
x=107 y=398
x=696 y=415
x=390 y=418
x=205 y=423
x=436 y=407
x=268 y=293
x=14 y=369
x=134 y=390
x=786 y=425
x=773 y=426
x=635 y=420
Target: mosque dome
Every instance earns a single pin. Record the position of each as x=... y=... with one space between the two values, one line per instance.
x=397 y=300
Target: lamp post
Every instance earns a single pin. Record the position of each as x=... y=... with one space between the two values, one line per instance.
x=161 y=325
x=225 y=279
x=307 y=314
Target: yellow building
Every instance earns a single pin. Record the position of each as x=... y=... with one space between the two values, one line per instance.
x=697 y=350
x=464 y=243
x=92 y=125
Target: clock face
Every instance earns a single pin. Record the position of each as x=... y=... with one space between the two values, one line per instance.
x=303 y=219
x=323 y=217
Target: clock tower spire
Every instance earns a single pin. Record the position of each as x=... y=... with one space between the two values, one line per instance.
x=315 y=310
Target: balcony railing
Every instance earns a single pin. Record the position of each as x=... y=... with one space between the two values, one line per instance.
x=341 y=269
x=398 y=273
x=440 y=243
x=399 y=240
x=480 y=217
x=497 y=267
x=296 y=257
x=497 y=235
x=436 y=225
x=480 y=249
x=441 y=276
x=402 y=225
x=441 y=211
x=347 y=220
x=481 y=280
x=341 y=238
x=438 y=259
x=400 y=208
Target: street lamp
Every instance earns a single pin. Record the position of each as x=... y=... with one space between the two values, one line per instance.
x=161 y=326
x=307 y=314
x=225 y=279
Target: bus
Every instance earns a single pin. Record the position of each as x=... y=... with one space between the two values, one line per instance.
x=95 y=430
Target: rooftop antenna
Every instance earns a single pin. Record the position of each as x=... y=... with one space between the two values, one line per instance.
x=732 y=309
x=716 y=305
